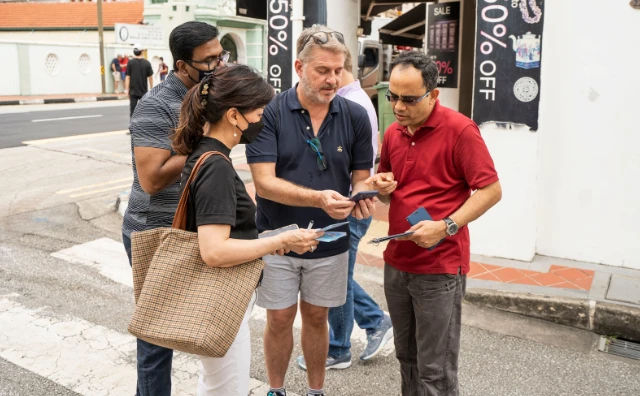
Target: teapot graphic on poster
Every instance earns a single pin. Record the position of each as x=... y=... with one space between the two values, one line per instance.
x=527 y=49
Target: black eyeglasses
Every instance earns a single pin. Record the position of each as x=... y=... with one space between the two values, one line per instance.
x=408 y=100
x=214 y=61
x=322 y=37
x=321 y=160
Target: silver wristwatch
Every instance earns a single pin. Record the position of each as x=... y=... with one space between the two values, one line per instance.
x=452 y=227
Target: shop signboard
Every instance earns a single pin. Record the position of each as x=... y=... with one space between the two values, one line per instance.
x=507 y=61
x=443 y=24
x=144 y=35
x=279 y=44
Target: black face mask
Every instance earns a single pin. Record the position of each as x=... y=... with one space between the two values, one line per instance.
x=201 y=74
x=250 y=134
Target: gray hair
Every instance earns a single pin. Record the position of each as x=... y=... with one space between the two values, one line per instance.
x=422 y=62
x=305 y=44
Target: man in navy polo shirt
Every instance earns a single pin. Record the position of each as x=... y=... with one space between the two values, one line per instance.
x=432 y=157
x=314 y=145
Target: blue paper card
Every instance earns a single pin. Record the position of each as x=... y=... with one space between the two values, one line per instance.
x=419 y=215
x=331 y=236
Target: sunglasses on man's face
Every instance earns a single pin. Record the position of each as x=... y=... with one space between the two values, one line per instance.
x=323 y=38
x=408 y=100
x=321 y=160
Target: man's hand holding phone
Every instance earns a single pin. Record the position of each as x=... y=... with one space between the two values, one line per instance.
x=335 y=204
x=365 y=204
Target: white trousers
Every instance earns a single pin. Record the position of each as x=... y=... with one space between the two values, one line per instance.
x=229 y=375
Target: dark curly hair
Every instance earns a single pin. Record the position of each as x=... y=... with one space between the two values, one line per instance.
x=422 y=62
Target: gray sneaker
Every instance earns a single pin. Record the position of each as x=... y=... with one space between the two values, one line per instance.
x=376 y=341
x=331 y=363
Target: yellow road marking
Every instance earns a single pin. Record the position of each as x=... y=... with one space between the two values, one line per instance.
x=70 y=190
x=100 y=190
x=111 y=153
x=74 y=137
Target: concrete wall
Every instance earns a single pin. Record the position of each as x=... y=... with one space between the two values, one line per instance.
x=52 y=68
x=571 y=188
x=9 y=73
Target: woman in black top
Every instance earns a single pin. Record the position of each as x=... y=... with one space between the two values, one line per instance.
x=223 y=110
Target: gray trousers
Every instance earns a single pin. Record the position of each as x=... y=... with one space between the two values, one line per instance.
x=425 y=311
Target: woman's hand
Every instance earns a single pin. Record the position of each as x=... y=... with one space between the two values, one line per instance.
x=300 y=241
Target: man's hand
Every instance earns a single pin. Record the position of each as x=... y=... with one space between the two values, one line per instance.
x=364 y=208
x=336 y=205
x=385 y=183
x=427 y=233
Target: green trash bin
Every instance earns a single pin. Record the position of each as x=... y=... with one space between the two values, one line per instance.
x=385 y=113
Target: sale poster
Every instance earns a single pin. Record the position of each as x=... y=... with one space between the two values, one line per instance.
x=443 y=24
x=507 y=66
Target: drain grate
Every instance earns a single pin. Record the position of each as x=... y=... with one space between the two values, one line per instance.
x=619 y=347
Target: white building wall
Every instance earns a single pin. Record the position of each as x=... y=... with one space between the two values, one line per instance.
x=571 y=189
x=590 y=142
x=9 y=72
x=29 y=75
x=68 y=76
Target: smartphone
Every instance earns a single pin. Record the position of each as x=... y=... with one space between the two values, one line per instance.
x=363 y=195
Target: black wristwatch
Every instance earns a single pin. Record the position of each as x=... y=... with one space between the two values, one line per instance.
x=452 y=227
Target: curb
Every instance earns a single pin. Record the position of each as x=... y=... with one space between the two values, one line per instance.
x=597 y=316
x=61 y=100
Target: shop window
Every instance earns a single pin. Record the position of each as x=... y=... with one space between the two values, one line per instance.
x=370 y=61
x=228 y=44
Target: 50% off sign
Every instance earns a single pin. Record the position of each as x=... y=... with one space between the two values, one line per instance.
x=279 y=42
x=493 y=14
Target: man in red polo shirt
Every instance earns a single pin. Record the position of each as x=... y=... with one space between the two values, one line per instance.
x=432 y=157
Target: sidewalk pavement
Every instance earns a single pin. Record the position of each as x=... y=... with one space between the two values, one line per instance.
x=58 y=98
x=600 y=298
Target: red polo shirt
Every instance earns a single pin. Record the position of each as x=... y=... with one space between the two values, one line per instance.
x=436 y=168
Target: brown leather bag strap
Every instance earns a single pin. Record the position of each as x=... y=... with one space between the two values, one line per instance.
x=180 y=218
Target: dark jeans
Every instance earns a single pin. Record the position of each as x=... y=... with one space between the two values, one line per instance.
x=154 y=362
x=359 y=304
x=133 y=102
x=425 y=312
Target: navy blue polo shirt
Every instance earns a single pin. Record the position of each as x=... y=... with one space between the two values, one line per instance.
x=345 y=136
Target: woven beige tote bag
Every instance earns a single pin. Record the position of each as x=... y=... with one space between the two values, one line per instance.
x=181 y=303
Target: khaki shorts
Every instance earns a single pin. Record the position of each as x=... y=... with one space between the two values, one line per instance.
x=116 y=76
x=321 y=282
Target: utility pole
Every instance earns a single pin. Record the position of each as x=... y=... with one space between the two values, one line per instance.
x=101 y=40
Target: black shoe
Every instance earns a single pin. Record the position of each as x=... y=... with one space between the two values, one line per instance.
x=276 y=393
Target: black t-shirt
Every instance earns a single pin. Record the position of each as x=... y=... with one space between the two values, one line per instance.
x=217 y=194
x=138 y=69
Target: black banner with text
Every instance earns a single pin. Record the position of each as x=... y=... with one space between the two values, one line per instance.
x=443 y=22
x=279 y=44
x=507 y=67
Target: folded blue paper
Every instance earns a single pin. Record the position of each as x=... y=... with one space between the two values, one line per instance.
x=330 y=236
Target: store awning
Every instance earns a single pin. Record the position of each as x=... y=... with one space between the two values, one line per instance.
x=407 y=29
x=371 y=8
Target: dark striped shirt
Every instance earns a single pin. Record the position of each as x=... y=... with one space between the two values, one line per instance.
x=152 y=123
